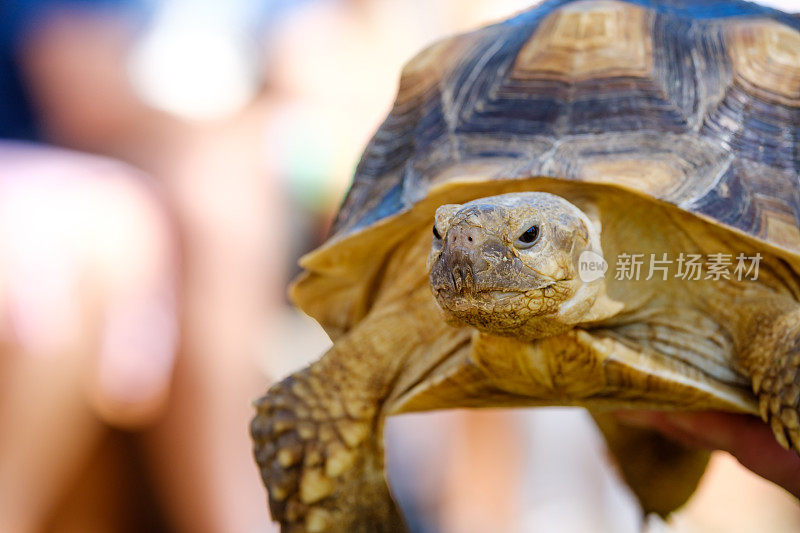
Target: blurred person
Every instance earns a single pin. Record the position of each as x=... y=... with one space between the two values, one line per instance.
x=73 y=71
x=64 y=80
x=87 y=319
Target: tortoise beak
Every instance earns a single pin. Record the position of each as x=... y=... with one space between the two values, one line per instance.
x=460 y=264
x=458 y=268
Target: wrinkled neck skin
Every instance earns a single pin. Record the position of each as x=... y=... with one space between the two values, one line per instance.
x=519 y=264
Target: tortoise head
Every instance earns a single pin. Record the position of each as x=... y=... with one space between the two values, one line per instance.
x=516 y=264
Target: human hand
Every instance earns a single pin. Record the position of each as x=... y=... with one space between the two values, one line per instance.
x=745 y=437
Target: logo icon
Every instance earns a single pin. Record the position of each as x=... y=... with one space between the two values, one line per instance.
x=591 y=266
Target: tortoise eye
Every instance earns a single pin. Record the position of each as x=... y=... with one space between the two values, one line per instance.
x=436 y=233
x=529 y=236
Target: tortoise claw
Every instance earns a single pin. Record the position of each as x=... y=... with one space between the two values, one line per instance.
x=779 y=398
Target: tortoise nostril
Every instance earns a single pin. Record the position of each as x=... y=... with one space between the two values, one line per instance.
x=469 y=239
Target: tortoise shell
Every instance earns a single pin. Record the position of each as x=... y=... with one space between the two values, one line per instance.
x=695 y=103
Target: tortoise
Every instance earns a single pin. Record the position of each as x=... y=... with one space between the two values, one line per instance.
x=594 y=203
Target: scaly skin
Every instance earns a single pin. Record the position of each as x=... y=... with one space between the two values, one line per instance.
x=318 y=434
x=485 y=276
x=320 y=453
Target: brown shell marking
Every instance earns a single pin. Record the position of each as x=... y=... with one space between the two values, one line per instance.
x=587 y=40
x=766 y=60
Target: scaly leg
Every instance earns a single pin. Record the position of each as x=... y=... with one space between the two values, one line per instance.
x=321 y=455
x=318 y=433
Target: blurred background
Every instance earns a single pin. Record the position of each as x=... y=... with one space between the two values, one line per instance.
x=163 y=164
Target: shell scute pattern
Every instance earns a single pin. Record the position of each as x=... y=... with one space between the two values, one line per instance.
x=702 y=96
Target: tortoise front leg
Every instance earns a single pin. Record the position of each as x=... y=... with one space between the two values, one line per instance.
x=318 y=433
x=318 y=443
